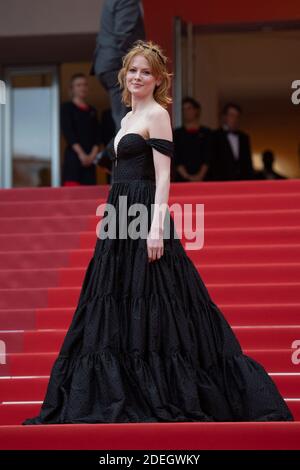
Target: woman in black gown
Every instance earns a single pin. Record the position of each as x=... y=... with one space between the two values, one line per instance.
x=146 y=342
x=81 y=129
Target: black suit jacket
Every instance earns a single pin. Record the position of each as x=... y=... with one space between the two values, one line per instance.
x=224 y=166
x=121 y=24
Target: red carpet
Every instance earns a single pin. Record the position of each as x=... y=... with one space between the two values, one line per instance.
x=250 y=263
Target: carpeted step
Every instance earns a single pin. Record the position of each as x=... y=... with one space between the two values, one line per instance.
x=71 y=193
x=16 y=413
x=247 y=273
x=272 y=435
x=22 y=364
x=213 y=219
x=250 y=264
x=220 y=293
x=47 y=225
x=221 y=274
x=50 y=208
x=43 y=241
x=245 y=202
x=34 y=388
x=208 y=256
x=177 y=189
x=236 y=314
x=212 y=237
x=255 y=337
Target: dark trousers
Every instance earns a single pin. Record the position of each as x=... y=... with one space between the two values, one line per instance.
x=109 y=80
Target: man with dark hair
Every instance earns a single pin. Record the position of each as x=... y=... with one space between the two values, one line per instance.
x=231 y=148
x=121 y=25
x=192 y=144
x=268 y=173
x=231 y=105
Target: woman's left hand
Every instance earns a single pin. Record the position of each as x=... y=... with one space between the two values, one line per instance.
x=155 y=245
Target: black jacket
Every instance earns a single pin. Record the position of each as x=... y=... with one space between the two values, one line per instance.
x=224 y=166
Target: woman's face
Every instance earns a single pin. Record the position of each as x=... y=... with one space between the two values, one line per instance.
x=189 y=112
x=139 y=79
x=79 y=88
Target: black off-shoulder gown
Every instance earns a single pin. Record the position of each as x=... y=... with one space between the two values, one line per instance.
x=146 y=342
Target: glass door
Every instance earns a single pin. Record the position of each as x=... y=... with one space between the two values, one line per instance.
x=31 y=128
x=184 y=59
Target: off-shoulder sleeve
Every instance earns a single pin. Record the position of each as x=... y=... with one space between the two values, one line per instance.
x=162 y=145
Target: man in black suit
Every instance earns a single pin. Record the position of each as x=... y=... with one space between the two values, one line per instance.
x=121 y=25
x=231 y=159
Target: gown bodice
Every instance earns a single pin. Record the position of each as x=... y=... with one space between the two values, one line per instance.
x=133 y=157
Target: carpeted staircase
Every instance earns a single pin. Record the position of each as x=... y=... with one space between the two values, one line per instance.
x=250 y=263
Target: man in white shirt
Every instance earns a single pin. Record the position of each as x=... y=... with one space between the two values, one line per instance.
x=231 y=148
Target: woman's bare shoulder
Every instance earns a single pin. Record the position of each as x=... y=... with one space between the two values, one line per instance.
x=160 y=123
x=159 y=114
x=124 y=118
x=159 y=110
